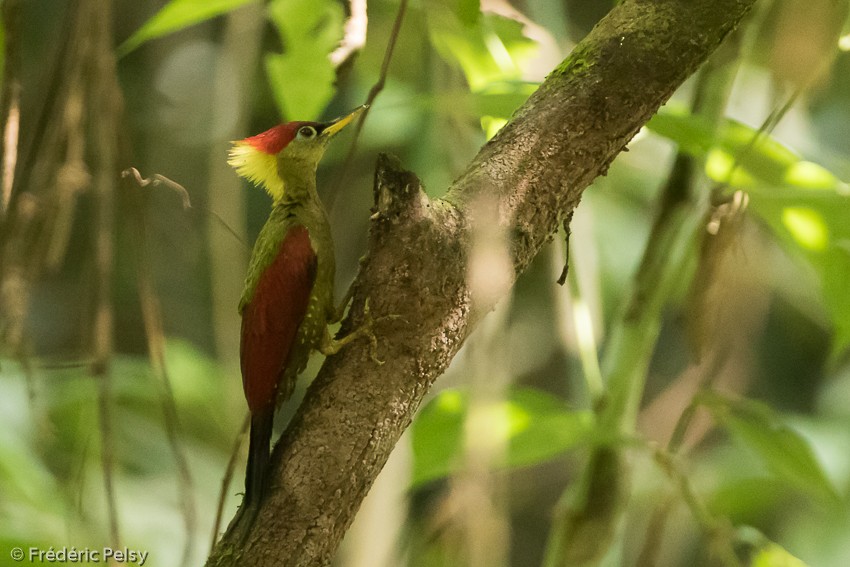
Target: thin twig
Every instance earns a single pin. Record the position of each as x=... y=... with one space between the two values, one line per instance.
x=156 y=179
x=228 y=477
x=718 y=530
x=152 y=317
x=775 y=116
x=10 y=100
x=32 y=218
x=39 y=157
x=370 y=99
x=104 y=95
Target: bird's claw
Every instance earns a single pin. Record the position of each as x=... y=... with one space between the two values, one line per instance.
x=368 y=328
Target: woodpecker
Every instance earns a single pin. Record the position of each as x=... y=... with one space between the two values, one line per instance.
x=288 y=300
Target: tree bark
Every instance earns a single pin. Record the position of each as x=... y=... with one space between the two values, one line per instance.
x=535 y=171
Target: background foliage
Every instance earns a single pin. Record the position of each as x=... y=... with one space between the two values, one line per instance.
x=753 y=353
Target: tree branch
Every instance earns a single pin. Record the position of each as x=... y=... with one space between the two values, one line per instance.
x=537 y=167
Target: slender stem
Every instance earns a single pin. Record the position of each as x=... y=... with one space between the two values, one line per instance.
x=10 y=105
x=585 y=339
x=227 y=478
x=718 y=530
x=344 y=171
x=105 y=97
x=155 y=335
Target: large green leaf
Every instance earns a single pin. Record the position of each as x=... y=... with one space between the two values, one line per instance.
x=175 y=16
x=815 y=225
x=763 y=162
x=468 y=11
x=489 y=48
x=782 y=449
x=535 y=425
x=302 y=77
x=806 y=205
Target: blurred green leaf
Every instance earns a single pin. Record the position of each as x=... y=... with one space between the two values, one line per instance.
x=195 y=377
x=500 y=99
x=750 y=497
x=467 y=11
x=775 y=556
x=766 y=161
x=545 y=427
x=805 y=204
x=302 y=78
x=438 y=436
x=175 y=16
x=488 y=49
x=762 y=551
x=24 y=478
x=782 y=449
x=537 y=425
x=815 y=225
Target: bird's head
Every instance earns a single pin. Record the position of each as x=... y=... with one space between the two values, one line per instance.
x=260 y=158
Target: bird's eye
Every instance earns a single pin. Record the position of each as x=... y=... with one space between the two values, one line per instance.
x=307 y=132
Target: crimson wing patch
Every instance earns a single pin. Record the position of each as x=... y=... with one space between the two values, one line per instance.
x=271 y=319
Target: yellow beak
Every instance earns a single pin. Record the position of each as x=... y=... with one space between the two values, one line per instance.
x=335 y=126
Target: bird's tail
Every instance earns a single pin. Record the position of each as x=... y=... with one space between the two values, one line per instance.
x=256 y=475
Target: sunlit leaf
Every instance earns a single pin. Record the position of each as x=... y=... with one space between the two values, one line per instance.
x=720 y=165
x=489 y=49
x=765 y=161
x=806 y=226
x=782 y=449
x=804 y=203
x=761 y=551
x=175 y=16
x=491 y=125
x=536 y=426
x=775 y=556
x=302 y=77
x=811 y=175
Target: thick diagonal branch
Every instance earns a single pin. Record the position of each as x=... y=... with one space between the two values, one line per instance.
x=536 y=169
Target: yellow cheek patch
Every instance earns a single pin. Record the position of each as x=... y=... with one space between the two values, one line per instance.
x=257 y=167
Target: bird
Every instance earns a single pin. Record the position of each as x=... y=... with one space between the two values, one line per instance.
x=288 y=298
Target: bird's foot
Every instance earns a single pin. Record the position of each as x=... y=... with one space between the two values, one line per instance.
x=366 y=329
